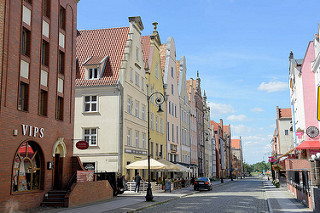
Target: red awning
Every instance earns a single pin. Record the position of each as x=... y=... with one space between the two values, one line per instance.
x=309 y=145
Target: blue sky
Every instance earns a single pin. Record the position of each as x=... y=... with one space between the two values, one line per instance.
x=240 y=47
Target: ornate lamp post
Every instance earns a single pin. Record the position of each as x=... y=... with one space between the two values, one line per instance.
x=159 y=100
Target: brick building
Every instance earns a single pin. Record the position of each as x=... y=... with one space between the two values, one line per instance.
x=36 y=99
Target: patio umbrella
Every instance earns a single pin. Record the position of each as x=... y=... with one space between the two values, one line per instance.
x=143 y=164
x=169 y=166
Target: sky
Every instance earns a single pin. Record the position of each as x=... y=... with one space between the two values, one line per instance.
x=239 y=47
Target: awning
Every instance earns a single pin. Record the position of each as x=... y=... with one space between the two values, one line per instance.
x=143 y=164
x=309 y=145
x=170 y=166
x=184 y=168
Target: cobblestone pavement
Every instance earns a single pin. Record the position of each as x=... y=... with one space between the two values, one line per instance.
x=246 y=195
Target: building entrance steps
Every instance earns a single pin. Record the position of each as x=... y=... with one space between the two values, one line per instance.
x=280 y=200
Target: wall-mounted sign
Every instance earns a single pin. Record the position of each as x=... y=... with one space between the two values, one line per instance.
x=134 y=151
x=84 y=176
x=82 y=145
x=32 y=131
x=299 y=134
x=89 y=166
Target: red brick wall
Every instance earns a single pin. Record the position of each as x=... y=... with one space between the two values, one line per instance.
x=296 y=164
x=12 y=119
x=87 y=192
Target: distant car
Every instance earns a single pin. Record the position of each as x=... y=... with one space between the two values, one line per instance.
x=202 y=183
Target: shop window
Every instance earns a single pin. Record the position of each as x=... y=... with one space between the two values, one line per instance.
x=27 y=168
x=25 y=42
x=23 y=97
x=43 y=107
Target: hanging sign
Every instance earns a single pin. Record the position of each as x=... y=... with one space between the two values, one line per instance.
x=299 y=134
x=272 y=159
x=82 y=145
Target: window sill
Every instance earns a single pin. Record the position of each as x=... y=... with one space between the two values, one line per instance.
x=94 y=147
x=91 y=113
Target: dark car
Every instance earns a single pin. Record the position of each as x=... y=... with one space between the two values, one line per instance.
x=202 y=183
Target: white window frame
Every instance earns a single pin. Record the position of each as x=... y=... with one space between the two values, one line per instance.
x=89 y=136
x=142 y=83
x=90 y=102
x=131 y=74
x=137 y=109
x=157 y=71
x=144 y=144
x=137 y=139
x=173 y=139
x=157 y=123
x=161 y=125
x=129 y=105
x=129 y=137
x=143 y=111
x=92 y=73
x=137 y=54
x=137 y=78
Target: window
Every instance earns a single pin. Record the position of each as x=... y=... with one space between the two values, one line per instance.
x=27 y=166
x=45 y=53
x=129 y=105
x=144 y=144
x=23 y=97
x=172 y=132
x=61 y=62
x=62 y=18
x=157 y=71
x=137 y=79
x=137 y=109
x=93 y=73
x=142 y=83
x=168 y=130
x=143 y=112
x=25 y=42
x=161 y=147
x=286 y=132
x=129 y=137
x=43 y=107
x=59 y=108
x=172 y=90
x=91 y=135
x=137 y=54
x=46 y=8
x=29 y=1
x=169 y=107
x=161 y=125
x=151 y=149
x=151 y=121
x=131 y=75
x=157 y=149
x=157 y=124
x=177 y=133
x=91 y=103
x=137 y=139
x=172 y=72
x=175 y=111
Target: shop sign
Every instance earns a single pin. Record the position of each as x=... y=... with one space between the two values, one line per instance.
x=82 y=145
x=84 y=176
x=32 y=131
x=89 y=166
x=299 y=134
x=313 y=151
x=134 y=151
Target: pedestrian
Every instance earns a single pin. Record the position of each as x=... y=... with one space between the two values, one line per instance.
x=192 y=180
x=137 y=179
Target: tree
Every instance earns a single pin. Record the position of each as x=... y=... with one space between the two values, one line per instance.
x=247 y=167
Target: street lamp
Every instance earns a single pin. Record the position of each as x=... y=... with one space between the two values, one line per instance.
x=159 y=100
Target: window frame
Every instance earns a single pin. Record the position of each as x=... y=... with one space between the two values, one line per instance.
x=92 y=72
x=90 y=103
x=43 y=103
x=23 y=98
x=90 y=135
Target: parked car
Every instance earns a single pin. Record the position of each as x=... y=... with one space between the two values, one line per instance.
x=202 y=183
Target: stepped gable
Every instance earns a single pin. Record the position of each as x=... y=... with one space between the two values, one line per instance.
x=95 y=45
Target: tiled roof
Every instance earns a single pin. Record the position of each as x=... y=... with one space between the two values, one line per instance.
x=94 y=60
x=215 y=125
x=226 y=129
x=285 y=113
x=163 y=51
x=178 y=70
x=98 y=44
x=235 y=143
x=145 y=44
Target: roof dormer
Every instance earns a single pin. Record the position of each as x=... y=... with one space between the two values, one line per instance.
x=95 y=67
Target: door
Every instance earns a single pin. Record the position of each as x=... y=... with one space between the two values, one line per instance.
x=58 y=172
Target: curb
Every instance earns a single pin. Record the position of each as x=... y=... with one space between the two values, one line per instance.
x=270 y=210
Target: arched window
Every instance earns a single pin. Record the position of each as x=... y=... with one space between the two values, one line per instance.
x=27 y=168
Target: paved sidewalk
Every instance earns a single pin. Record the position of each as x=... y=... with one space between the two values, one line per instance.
x=280 y=200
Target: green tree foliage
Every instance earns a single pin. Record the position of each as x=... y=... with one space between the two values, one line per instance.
x=260 y=166
x=247 y=167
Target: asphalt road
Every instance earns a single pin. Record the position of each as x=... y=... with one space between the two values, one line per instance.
x=246 y=195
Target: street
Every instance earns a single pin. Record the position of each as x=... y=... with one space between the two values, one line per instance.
x=246 y=195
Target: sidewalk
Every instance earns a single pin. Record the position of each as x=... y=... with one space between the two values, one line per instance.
x=280 y=200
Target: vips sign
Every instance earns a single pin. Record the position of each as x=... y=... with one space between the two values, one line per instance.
x=82 y=145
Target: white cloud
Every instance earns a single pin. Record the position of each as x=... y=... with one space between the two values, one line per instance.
x=240 y=130
x=237 y=117
x=272 y=126
x=257 y=110
x=217 y=108
x=273 y=86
